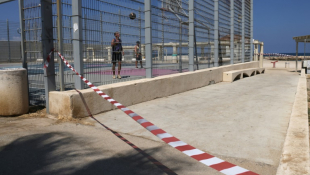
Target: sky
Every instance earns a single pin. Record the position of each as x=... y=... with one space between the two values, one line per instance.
x=276 y=22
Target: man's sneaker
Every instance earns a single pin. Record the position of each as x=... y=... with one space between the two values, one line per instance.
x=114 y=77
x=118 y=76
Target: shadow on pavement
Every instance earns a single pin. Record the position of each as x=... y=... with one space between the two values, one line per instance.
x=61 y=153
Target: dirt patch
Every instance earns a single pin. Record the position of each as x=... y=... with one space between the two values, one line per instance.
x=35 y=112
x=63 y=119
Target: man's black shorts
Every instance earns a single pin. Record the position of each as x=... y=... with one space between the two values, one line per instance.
x=138 y=57
x=116 y=57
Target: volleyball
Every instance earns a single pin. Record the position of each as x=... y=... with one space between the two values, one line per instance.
x=132 y=16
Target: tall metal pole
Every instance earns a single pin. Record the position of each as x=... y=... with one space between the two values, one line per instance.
x=251 y=38
x=23 y=39
x=101 y=34
x=232 y=48
x=47 y=46
x=305 y=49
x=119 y=22
x=77 y=41
x=243 y=32
x=180 y=47
x=216 y=32
x=8 y=34
x=162 y=35
x=197 y=63
x=140 y=30
x=148 y=38
x=296 y=55
x=191 y=35
x=60 y=45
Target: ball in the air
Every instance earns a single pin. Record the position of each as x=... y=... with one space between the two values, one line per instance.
x=132 y=16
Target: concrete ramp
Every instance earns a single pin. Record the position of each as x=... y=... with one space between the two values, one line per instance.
x=244 y=122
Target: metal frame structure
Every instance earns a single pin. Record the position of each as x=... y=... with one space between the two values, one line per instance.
x=300 y=39
x=84 y=33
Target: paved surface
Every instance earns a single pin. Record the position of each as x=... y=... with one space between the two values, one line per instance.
x=243 y=122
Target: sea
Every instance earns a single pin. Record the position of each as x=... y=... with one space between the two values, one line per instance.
x=299 y=54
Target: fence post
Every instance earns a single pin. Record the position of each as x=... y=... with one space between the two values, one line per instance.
x=296 y=56
x=180 y=47
x=8 y=34
x=23 y=39
x=47 y=46
x=191 y=35
x=232 y=45
x=243 y=19
x=148 y=38
x=216 y=33
x=140 y=28
x=60 y=45
x=77 y=41
x=251 y=50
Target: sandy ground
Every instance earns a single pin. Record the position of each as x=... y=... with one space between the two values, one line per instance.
x=243 y=122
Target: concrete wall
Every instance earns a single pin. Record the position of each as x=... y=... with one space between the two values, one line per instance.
x=69 y=104
x=295 y=153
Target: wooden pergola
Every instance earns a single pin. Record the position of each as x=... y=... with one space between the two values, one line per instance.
x=300 y=39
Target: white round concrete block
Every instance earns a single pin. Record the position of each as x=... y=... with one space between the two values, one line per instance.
x=13 y=92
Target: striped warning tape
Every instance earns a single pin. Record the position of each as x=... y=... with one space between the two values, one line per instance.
x=205 y=158
x=153 y=160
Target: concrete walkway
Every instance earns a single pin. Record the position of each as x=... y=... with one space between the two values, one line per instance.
x=243 y=122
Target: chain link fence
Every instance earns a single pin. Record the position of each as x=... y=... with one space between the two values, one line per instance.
x=10 y=47
x=100 y=19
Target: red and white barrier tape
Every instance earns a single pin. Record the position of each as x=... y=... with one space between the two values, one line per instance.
x=205 y=158
x=151 y=159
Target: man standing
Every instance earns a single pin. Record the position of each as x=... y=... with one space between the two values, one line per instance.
x=117 y=53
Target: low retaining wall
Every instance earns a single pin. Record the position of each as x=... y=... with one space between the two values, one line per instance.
x=295 y=154
x=69 y=104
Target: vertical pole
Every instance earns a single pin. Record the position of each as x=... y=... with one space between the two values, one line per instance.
x=120 y=26
x=216 y=32
x=197 y=63
x=162 y=35
x=243 y=32
x=251 y=38
x=296 y=55
x=47 y=46
x=101 y=34
x=8 y=34
x=77 y=41
x=140 y=30
x=180 y=47
x=261 y=55
x=23 y=38
x=119 y=22
x=191 y=35
x=305 y=49
x=232 y=13
x=148 y=38
x=60 y=45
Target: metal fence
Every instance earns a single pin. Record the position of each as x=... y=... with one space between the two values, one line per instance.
x=98 y=20
x=10 y=41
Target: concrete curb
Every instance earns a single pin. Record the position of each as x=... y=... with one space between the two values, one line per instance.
x=68 y=103
x=295 y=154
